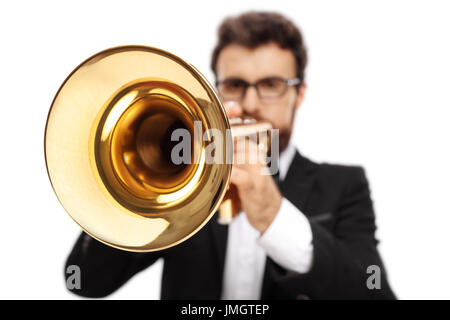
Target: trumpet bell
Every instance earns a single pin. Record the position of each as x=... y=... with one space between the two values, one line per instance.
x=108 y=148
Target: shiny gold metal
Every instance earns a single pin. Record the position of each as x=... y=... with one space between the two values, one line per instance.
x=107 y=146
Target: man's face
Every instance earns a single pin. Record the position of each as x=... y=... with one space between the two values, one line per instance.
x=266 y=61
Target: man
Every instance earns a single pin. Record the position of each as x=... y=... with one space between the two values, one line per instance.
x=308 y=236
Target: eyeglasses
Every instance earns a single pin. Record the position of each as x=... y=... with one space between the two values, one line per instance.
x=267 y=88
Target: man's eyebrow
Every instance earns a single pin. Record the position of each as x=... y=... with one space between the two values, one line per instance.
x=257 y=79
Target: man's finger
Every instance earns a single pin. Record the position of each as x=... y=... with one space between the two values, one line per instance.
x=247 y=153
x=232 y=109
x=240 y=178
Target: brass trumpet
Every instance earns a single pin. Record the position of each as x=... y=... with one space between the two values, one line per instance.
x=108 y=145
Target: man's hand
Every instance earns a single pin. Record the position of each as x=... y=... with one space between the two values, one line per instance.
x=258 y=192
x=260 y=197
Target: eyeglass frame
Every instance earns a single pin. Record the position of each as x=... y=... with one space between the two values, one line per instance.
x=289 y=83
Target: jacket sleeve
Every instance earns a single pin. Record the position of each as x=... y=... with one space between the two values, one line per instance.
x=104 y=269
x=341 y=256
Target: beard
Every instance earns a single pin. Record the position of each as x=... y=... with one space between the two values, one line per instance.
x=284 y=138
x=284 y=133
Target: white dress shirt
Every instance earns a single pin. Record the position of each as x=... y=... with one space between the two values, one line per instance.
x=288 y=241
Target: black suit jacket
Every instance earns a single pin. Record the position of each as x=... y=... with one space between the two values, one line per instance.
x=336 y=200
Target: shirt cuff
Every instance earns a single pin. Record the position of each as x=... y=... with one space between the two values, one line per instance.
x=288 y=240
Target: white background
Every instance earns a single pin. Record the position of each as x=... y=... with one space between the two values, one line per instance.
x=378 y=95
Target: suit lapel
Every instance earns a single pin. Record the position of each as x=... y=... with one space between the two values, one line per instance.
x=298 y=181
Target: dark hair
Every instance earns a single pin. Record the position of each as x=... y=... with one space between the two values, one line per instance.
x=252 y=29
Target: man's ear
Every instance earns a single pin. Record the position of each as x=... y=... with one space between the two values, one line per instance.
x=300 y=95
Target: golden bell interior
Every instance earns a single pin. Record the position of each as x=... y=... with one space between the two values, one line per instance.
x=133 y=154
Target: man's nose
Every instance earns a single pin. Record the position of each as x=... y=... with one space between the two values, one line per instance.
x=250 y=101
